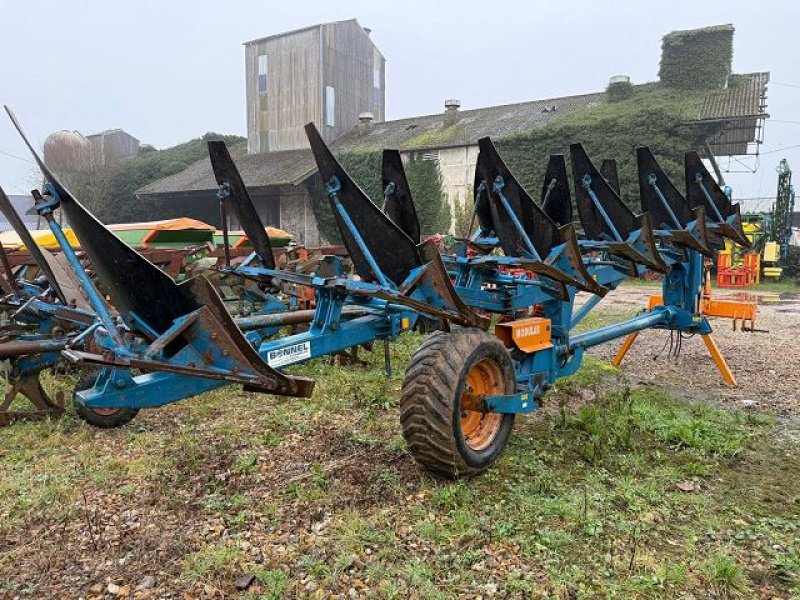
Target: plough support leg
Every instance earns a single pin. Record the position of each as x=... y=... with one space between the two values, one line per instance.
x=719 y=360
x=623 y=350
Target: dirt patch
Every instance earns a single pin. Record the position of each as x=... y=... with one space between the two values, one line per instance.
x=765 y=363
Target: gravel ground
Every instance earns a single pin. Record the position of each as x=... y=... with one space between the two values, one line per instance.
x=766 y=364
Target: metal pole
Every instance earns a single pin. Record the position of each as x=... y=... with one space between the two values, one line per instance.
x=296 y=317
x=713 y=160
x=654 y=183
x=223 y=215
x=584 y=310
x=498 y=186
x=588 y=339
x=698 y=179
x=95 y=299
x=587 y=185
x=361 y=244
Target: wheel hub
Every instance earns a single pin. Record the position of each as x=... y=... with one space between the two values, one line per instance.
x=479 y=427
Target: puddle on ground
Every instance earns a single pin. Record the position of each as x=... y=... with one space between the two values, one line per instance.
x=784 y=302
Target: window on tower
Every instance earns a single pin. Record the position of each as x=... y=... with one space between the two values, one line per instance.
x=263 y=67
x=330 y=106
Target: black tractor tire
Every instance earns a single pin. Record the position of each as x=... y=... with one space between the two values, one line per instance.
x=103 y=418
x=441 y=436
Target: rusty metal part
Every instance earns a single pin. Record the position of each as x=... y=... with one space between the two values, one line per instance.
x=652 y=259
x=15 y=348
x=9 y=283
x=280 y=319
x=30 y=386
x=435 y=275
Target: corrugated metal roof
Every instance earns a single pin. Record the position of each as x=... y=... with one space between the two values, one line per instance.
x=740 y=109
x=431 y=131
x=744 y=101
x=416 y=133
x=258 y=170
x=744 y=97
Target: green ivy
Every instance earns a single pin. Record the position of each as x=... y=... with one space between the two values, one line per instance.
x=425 y=181
x=653 y=116
x=620 y=90
x=698 y=58
x=108 y=191
x=364 y=167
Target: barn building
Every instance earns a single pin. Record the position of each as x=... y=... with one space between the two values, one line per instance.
x=112 y=146
x=322 y=74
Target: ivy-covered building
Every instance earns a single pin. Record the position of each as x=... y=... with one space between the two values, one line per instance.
x=698 y=103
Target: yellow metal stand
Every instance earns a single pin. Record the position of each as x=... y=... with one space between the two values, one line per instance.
x=719 y=360
x=626 y=345
x=713 y=349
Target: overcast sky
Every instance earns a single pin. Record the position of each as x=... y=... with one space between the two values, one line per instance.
x=170 y=70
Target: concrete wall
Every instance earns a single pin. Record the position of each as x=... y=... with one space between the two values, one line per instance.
x=297 y=216
x=113 y=146
x=457 y=166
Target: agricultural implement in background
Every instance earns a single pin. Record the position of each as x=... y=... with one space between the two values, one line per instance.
x=464 y=385
x=43 y=316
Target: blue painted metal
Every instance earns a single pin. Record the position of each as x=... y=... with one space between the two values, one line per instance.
x=497 y=186
x=387 y=310
x=584 y=310
x=585 y=340
x=653 y=181
x=95 y=299
x=586 y=182
x=519 y=403
x=332 y=188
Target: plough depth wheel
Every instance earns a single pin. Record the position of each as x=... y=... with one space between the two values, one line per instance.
x=441 y=411
x=104 y=418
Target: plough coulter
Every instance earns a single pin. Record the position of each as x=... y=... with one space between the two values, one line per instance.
x=157 y=342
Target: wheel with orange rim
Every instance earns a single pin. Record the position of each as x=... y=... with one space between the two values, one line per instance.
x=442 y=411
x=104 y=418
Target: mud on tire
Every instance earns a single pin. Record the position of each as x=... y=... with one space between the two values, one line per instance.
x=445 y=431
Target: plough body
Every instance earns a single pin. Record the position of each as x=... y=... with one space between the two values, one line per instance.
x=169 y=341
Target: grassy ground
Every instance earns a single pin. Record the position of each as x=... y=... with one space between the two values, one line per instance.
x=615 y=492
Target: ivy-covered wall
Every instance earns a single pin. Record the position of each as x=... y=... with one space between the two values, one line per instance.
x=697 y=59
x=651 y=116
x=425 y=181
x=364 y=167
